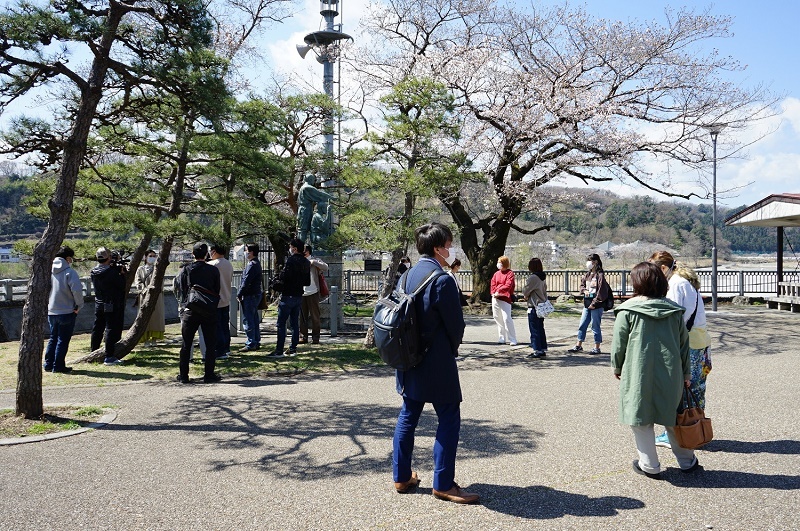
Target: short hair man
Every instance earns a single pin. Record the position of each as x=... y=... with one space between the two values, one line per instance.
x=309 y=310
x=219 y=259
x=295 y=275
x=435 y=379
x=108 y=280
x=66 y=300
x=201 y=276
x=249 y=295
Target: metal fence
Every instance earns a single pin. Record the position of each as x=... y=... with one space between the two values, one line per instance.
x=729 y=283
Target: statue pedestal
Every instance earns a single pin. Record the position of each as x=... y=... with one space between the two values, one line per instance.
x=334 y=278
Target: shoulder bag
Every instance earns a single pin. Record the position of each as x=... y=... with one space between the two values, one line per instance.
x=323 y=286
x=202 y=301
x=692 y=428
x=543 y=309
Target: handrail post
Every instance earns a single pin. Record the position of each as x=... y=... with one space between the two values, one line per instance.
x=566 y=282
x=741 y=282
x=333 y=300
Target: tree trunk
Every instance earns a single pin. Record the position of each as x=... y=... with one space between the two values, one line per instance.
x=146 y=308
x=29 y=371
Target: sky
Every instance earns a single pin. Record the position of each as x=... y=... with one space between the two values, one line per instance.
x=765 y=38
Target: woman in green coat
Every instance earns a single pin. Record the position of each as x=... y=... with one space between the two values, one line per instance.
x=650 y=357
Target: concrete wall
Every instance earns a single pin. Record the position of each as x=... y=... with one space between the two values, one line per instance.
x=11 y=316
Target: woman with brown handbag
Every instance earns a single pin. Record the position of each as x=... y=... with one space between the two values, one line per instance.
x=650 y=357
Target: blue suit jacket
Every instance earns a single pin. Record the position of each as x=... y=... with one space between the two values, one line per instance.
x=441 y=331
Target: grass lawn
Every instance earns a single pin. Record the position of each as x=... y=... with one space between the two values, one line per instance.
x=161 y=362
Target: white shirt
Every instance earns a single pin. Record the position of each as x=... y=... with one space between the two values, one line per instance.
x=225 y=280
x=317 y=265
x=682 y=292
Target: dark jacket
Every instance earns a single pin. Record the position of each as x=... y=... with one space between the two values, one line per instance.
x=295 y=275
x=594 y=286
x=441 y=320
x=109 y=284
x=201 y=274
x=251 y=279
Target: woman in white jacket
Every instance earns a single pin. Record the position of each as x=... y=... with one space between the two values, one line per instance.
x=684 y=289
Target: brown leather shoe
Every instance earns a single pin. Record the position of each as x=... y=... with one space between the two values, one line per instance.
x=407 y=486
x=456 y=494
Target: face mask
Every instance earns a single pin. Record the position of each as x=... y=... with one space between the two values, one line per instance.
x=589 y=265
x=444 y=258
x=499 y=265
x=151 y=259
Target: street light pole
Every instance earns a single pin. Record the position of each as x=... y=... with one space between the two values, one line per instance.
x=714 y=130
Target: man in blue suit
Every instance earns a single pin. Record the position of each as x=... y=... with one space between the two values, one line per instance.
x=435 y=379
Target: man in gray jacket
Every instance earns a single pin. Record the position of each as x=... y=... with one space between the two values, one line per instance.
x=66 y=300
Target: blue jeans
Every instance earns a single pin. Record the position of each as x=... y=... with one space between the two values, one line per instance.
x=223 y=330
x=536 y=327
x=288 y=308
x=250 y=320
x=594 y=316
x=444 y=448
x=61 y=327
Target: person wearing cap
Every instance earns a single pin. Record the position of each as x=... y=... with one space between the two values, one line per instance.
x=108 y=280
x=66 y=300
x=200 y=276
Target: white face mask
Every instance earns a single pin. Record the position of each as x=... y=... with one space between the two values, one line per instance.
x=443 y=257
x=151 y=259
x=499 y=265
x=589 y=265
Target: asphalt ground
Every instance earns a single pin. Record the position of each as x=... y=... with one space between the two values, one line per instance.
x=540 y=443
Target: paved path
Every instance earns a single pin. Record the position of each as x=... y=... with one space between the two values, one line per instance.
x=540 y=442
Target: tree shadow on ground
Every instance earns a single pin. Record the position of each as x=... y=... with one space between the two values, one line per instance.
x=544 y=503
x=308 y=440
x=782 y=447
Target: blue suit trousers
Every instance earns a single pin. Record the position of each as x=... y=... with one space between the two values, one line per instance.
x=444 y=448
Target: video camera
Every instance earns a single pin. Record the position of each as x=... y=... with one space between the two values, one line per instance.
x=119 y=258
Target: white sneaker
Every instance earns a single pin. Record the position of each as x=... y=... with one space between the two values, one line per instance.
x=513 y=343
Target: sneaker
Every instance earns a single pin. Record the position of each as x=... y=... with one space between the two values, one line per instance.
x=224 y=356
x=64 y=370
x=513 y=344
x=291 y=352
x=182 y=379
x=595 y=351
x=501 y=341
x=576 y=348
x=112 y=361
x=275 y=354
x=536 y=354
x=663 y=441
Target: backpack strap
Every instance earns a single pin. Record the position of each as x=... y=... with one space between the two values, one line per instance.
x=403 y=284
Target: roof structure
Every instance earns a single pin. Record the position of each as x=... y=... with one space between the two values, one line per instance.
x=777 y=210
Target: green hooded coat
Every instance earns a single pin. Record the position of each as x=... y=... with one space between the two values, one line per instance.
x=650 y=353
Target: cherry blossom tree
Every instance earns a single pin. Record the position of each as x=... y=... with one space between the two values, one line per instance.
x=550 y=94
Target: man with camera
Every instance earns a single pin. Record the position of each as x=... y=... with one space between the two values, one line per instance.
x=108 y=280
x=294 y=276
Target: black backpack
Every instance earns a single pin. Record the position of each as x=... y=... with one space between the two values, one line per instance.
x=395 y=325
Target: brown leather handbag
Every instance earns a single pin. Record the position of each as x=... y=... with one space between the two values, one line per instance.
x=692 y=427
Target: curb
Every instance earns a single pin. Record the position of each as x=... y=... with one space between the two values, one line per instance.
x=105 y=419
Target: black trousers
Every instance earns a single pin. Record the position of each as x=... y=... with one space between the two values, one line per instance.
x=107 y=327
x=190 y=322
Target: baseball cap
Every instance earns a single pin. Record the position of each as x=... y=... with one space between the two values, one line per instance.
x=102 y=254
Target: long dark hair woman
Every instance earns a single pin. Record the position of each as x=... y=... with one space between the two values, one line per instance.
x=595 y=292
x=535 y=292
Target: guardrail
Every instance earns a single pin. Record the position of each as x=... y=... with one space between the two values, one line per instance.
x=729 y=283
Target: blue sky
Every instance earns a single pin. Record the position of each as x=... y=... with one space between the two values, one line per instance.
x=765 y=39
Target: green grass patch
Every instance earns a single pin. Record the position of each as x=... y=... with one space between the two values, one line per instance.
x=55 y=419
x=160 y=362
